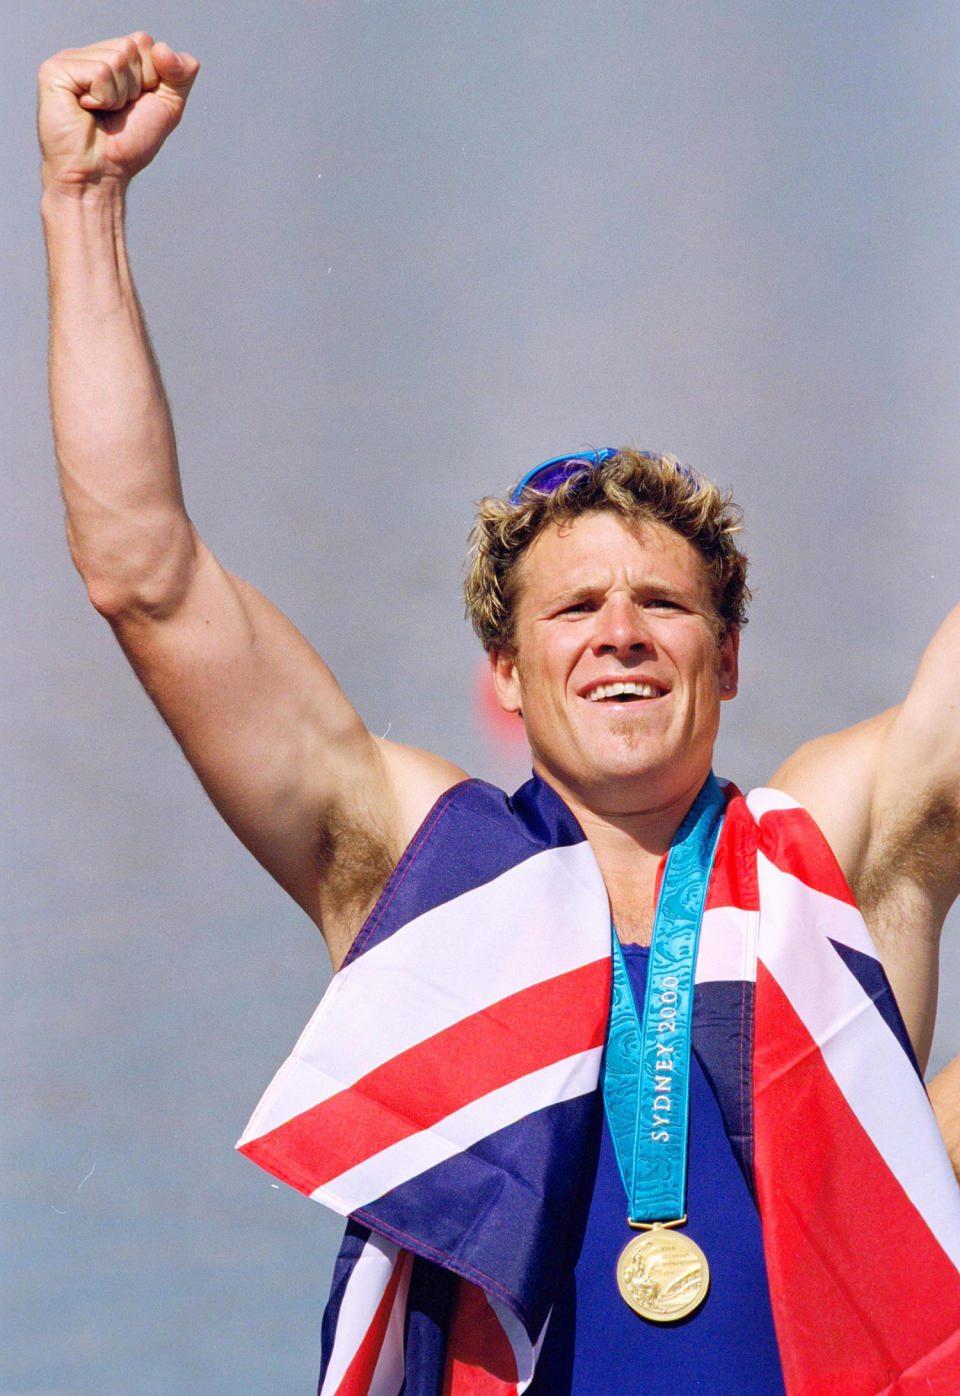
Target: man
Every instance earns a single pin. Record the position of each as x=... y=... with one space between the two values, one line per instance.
x=609 y=593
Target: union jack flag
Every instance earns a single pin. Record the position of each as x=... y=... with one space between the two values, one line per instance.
x=446 y=1087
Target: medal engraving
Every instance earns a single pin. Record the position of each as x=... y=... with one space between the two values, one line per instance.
x=663 y=1275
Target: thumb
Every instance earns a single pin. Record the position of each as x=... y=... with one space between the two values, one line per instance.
x=176 y=71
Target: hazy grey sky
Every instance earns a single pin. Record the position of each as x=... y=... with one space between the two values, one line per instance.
x=395 y=255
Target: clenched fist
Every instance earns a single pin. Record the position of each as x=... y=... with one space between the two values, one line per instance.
x=105 y=110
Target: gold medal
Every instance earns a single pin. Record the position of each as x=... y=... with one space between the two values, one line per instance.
x=663 y=1275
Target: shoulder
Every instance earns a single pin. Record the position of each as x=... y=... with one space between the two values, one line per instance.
x=834 y=778
x=416 y=779
x=886 y=794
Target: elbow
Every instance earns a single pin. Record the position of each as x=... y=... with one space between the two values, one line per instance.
x=136 y=578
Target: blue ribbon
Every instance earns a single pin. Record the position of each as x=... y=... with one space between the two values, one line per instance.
x=646 y=1065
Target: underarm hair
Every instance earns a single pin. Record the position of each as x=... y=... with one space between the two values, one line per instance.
x=354 y=861
x=920 y=849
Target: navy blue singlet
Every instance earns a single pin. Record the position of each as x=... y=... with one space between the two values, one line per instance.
x=596 y=1345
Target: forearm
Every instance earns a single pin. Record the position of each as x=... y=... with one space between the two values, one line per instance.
x=128 y=530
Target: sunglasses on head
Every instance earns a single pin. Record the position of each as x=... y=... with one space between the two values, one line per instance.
x=552 y=473
x=549 y=476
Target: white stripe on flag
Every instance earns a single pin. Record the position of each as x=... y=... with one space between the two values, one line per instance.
x=765 y=799
x=388 y=1375
x=525 y=1354
x=545 y=917
x=365 y=1288
x=728 y=945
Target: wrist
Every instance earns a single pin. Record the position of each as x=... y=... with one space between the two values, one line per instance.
x=105 y=195
x=86 y=242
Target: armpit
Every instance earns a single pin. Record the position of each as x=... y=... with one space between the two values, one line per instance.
x=354 y=860
x=914 y=856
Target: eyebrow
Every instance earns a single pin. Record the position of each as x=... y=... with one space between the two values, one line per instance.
x=651 y=586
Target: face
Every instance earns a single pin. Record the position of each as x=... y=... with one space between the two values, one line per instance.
x=616 y=666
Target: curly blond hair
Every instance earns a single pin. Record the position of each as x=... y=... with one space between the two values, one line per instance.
x=640 y=487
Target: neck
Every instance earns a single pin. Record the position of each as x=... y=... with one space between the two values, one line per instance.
x=628 y=844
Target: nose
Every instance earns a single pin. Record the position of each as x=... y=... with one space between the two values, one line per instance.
x=621 y=627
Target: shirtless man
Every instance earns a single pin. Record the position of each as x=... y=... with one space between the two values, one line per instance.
x=327 y=807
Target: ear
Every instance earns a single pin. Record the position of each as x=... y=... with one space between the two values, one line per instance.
x=506 y=679
x=729 y=670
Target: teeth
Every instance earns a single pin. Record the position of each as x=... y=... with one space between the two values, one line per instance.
x=615 y=690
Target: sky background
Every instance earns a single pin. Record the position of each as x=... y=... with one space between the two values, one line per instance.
x=394 y=255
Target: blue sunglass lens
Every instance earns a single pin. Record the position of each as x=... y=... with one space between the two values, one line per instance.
x=551 y=474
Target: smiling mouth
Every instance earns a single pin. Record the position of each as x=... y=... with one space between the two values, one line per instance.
x=628 y=692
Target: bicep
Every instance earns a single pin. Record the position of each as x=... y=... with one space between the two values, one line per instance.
x=279 y=749
x=921 y=759
x=897 y=771
x=915 y=804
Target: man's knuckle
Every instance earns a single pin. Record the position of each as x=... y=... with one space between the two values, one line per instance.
x=52 y=68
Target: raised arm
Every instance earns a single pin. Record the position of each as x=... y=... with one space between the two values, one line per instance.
x=886 y=794
x=325 y=806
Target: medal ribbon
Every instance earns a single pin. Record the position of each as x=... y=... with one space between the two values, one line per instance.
x=648 y=1109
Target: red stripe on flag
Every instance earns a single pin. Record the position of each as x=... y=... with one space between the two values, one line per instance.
x=861 y=1290
x=533 y=1028
x=358 y=1376
x=934 y=1375
x=733 y=881
x=793 y=842
x=480 y=1360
